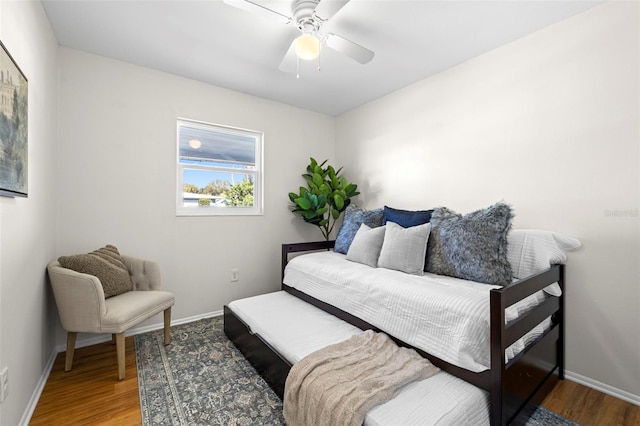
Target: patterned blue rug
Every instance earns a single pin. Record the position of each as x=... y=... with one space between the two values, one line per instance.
x=202 y=379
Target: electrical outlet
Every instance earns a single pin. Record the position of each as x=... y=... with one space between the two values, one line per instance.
x=235 y=275
x=4 y=384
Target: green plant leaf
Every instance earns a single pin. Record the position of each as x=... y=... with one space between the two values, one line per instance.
x=321 y=211
x=324 y=189
x=335 y=213
x=303 y=202
x=310 y=215
x=317 y=179
x=323 y=222
x=293 y=196
x=339 y=201
x=335 y=183
x=351 y=190
x=313 y=200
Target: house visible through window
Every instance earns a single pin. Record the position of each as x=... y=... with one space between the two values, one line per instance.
x=219 y=170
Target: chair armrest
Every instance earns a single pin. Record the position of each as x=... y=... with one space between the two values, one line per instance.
x=145 y=274
x=79 y=297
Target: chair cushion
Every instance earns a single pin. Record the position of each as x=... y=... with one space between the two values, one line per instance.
x=128 y=309
x=105 y=264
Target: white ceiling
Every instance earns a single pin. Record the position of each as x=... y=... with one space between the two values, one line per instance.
x=210 y=41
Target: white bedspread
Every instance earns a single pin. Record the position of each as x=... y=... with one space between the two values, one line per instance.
x=444 y=316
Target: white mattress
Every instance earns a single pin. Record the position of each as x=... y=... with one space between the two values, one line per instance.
x=291 y=325
x=444 y=316
x=295 y=329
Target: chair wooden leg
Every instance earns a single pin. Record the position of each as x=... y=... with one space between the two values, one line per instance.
x=167 y=326
x=71 y=345
x=120 y=354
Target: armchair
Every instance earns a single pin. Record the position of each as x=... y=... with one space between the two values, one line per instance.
x=83 y=308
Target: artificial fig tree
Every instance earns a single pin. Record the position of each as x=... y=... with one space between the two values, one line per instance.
x=324 y=199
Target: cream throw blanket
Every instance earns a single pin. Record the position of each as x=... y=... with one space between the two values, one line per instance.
x=338 y=384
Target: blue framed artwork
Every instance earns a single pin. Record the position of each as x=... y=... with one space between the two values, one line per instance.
x=13 y=128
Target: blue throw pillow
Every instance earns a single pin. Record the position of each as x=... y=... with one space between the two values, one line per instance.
x=406 y=218
x=353 y=218
x=472 y=247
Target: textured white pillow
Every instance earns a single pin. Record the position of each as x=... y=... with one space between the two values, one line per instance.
x=366 y=245
x=531 y=251
x=404 y=249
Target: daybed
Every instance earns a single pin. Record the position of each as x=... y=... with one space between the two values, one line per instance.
x=506 y=342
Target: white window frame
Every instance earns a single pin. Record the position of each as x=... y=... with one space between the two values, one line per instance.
x=258 y=187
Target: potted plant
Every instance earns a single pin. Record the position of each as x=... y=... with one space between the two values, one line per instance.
x=324 y=199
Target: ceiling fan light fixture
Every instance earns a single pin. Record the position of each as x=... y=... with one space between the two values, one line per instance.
x=307 y=47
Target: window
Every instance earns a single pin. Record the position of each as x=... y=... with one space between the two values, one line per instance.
x=219 y=170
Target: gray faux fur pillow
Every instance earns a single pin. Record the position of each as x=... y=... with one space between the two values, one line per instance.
x=472 y=247
x=104 y=263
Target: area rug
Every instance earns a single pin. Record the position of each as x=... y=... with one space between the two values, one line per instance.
x=202 y=379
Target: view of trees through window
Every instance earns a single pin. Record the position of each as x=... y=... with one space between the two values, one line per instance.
x=223 y=192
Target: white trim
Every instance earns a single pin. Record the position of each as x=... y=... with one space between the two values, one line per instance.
x=35 y=397
x=603 y=387
x=101 y=338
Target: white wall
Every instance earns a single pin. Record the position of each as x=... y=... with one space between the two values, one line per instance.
x=549 y=124
x=117 y=178
x=28 y=225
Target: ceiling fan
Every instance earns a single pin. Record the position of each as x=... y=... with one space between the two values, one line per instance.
x=309 y=16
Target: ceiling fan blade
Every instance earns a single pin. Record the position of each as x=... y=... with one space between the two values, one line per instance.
x=289 y=62
x=257 y=9
x=327 y=8
x=347 y=47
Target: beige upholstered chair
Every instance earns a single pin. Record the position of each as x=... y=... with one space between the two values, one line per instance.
x=83 y=308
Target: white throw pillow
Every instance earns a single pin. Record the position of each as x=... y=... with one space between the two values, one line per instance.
x=532 y=250
x=404 y=249
x=366 y=245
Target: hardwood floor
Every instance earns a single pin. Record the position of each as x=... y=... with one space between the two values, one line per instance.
x=587 y=406
x=91 y=394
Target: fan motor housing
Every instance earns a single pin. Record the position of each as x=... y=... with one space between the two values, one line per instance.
x=302 y=10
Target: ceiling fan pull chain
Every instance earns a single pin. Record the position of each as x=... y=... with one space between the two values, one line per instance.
x=319 y=54
x=297 y=67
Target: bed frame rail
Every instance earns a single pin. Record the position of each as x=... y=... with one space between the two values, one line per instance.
x=523 y=382
x=266 y=360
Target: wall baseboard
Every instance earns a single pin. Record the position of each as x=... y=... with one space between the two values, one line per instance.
x=35 y=397
x=603 y=387
x=101 y=338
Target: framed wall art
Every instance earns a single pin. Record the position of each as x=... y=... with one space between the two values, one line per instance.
x=13 y=127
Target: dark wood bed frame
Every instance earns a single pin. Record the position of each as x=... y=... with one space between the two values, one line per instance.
x=515 y=388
